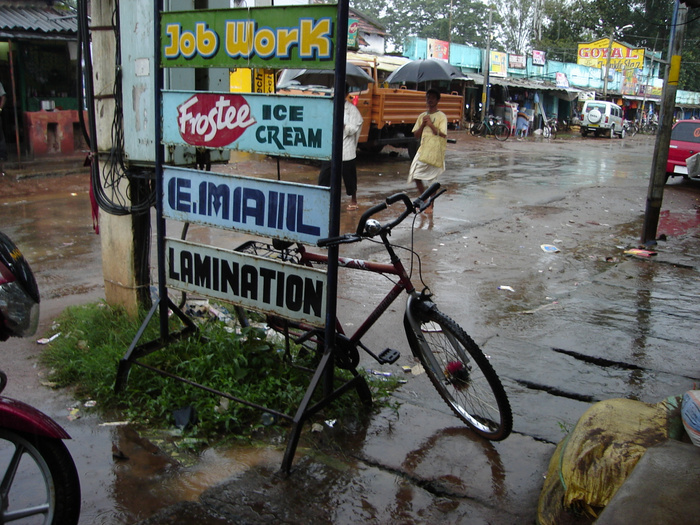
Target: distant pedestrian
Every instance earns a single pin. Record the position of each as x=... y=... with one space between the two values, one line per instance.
x=352 y=124
x=522 y=123
x=431 y=130
x=3 y=145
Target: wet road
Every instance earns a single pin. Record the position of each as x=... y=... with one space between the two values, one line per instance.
x=580 y=325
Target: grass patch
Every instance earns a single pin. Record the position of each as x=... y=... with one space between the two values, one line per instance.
x=242 y=363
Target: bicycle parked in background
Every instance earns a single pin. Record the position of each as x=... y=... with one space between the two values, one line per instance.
x=491 y=126
x=456 y=366
x=631 y=128
x=550 y=128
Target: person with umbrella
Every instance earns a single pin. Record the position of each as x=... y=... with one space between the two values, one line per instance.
x=431 y=130
x=352 y=124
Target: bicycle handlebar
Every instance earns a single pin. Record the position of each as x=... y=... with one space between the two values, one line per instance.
x=416 y=206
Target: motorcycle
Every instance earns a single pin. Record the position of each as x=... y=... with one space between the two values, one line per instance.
x=38 y=479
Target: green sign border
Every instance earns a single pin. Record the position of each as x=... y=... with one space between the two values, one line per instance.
x=281 y=37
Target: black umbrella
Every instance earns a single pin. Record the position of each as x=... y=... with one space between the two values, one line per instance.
x=354 y=77
x=426 y=70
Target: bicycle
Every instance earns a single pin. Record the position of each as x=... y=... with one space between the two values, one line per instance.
x=550 y=128
x=491 y=126
x=631 y=128
x=456 y=366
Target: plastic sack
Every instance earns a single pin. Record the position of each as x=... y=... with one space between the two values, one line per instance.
x=594 y=460
x=690 y=412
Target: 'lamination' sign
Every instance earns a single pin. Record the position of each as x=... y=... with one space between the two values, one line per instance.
x=278 y=37
x=292 y=291
x=283 y=210
x=289 y=125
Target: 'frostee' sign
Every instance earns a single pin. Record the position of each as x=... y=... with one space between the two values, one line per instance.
x=282 y=125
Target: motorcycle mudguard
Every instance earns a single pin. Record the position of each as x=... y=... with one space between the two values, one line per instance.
x=22 y=417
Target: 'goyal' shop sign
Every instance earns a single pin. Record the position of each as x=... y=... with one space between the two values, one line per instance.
x=283 y=210
x=289 y=125
x=278 y=37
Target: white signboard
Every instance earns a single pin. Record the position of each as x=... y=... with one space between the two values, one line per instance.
x=290 y=290
x=283 y=210
x=281 y=125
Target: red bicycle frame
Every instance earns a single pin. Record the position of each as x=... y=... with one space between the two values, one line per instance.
x=396 y=268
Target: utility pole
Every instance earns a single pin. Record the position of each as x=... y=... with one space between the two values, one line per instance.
x=609 y=56
x=607 y=64
x=646 y=85
x=657 y=180
x=487 y=66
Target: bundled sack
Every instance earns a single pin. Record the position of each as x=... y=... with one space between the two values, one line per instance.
x=690 y=412
x=594 y=460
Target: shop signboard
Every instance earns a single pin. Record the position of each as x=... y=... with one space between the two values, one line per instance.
x=266 y=37
x=438 y=49
x=282 y=210
x=517 y=61
x=539 y=58
x=292 y=291
x=595 y=54
x=281 y=125
x=498 y=64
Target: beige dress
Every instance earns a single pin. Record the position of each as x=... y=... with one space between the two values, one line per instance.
x=429 y=161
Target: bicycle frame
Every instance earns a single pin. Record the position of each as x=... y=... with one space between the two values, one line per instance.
x=395 y=267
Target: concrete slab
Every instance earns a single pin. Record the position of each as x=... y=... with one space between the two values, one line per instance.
x=661 y=489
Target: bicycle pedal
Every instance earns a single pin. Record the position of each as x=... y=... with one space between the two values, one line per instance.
x=388 y=356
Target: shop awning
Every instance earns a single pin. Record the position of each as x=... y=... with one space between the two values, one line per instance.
x=532 y=85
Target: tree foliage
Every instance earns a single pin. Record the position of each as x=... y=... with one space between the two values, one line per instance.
x=458 y=21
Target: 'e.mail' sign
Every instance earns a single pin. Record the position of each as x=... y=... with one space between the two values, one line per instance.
x=283 y=210
x=287 y=125
x=290 y=290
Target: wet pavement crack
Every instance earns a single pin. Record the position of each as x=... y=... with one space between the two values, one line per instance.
x=556 y=391
x=434 y=486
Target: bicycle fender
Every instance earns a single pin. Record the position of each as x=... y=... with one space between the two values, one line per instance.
x=21 y=417
x=410 y=323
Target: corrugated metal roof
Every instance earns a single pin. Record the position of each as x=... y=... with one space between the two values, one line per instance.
x=38 y=19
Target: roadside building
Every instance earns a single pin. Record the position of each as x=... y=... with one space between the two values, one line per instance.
x=38 y=69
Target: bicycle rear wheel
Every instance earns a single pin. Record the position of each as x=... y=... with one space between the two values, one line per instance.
x=501 y=131
x=459 y=371
x=477 y=128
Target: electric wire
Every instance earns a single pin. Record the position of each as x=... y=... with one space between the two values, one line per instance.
x=117 y=188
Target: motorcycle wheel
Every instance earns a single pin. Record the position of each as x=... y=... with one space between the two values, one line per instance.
x=40 y=480
x=545 y=132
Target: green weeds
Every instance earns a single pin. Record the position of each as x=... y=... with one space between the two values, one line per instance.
x=244 y=364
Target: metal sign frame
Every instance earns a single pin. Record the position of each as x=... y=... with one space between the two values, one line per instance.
x=176 y=201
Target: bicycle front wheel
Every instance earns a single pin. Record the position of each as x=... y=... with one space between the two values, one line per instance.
x=460 y=372
x=501 y=131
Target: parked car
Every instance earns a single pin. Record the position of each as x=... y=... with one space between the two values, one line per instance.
x=602 y=118
x=685 y=142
